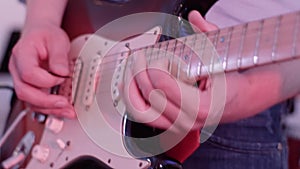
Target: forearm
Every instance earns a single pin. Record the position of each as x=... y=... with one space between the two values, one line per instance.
x=49 y=11
x=257 y=89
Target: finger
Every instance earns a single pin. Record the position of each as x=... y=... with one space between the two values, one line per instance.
x=160 y=113
x=199 y=24
x=140 y=75
x=163 y=80
x=155 y=111
x=26 y=66
x=36 y=96
x=177 y=115
x=58 y=55
x=159 y=102
x=136 y=105
x=182 y=95
x=157 y=106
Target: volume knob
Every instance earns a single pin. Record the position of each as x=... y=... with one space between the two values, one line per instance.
x=54 y=124
x=40 y=153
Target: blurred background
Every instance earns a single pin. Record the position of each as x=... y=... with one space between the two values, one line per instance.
x=11 y=19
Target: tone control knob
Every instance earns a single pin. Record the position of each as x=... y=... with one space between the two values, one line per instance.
x=54 y=124
x=40 y=153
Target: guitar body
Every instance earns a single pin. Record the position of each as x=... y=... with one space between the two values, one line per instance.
x=96 y=134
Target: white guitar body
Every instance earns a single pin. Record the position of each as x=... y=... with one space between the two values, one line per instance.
x=97 y=131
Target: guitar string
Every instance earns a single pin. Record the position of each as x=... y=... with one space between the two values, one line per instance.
x=252 y=34
x=179 y=46
x=114 y=62
x=268 y=25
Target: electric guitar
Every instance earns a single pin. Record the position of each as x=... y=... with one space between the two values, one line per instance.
x=98 y=135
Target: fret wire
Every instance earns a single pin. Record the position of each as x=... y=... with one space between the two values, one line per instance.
x=296 y=33
x=172 y=57
x=190 y=56
x=225 y=58
x=167 y=46
x=278 y=23
x=148 y=54
x=244 y=31
x=251 y=33
x=151 y=53
x=166 y=50
x=179 y=57
x=272 y=25
x=114 y=54
x=158 y=52
x=200 y=65
x=257 y=43
x=215 y=44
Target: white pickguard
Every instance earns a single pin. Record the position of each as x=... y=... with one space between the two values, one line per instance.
x=98 y=122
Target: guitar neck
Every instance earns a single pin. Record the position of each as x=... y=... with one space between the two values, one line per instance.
x=234 y=48
x=258 y=43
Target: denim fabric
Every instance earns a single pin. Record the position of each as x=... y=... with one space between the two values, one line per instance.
x=253 y=143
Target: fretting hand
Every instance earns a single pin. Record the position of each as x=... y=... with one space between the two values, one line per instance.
x=154 y=97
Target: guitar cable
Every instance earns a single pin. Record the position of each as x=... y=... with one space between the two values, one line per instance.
x=21 y=115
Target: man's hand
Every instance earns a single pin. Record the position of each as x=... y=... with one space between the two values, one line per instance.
x=158 y=99
x=38 y=62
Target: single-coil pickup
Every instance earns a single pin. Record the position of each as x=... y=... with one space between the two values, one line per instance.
x=76 y=78
x=117 y=79
x=92 y=81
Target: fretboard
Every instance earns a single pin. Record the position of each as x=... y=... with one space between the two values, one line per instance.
x=238 y=47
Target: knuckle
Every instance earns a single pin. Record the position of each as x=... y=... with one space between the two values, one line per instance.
x=42 y=104
x=161 y=84
x=26 y=75
x=20 y=93
x=61 y=41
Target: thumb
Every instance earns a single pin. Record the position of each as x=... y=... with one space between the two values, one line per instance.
x=58 y=58
x=199 y=24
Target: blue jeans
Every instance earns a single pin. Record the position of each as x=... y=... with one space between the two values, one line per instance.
x=254 y=143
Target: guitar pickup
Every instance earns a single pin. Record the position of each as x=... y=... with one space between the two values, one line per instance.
x=92 y=81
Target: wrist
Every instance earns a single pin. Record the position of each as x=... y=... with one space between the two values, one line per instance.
x=43 y=11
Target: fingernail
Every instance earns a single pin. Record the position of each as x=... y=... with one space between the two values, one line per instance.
x=61 y=104
x=68 y=114
x=61 y=69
